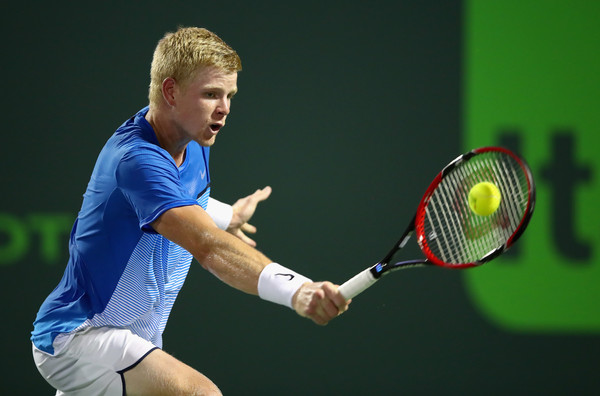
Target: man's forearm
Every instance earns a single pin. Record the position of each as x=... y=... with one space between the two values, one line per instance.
x=224 y=255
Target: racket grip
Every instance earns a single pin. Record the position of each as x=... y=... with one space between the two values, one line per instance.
x=356 y=285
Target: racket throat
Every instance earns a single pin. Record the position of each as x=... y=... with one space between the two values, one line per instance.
x=378 y=270
x=399 y=245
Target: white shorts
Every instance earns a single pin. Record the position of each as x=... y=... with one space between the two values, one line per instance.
x=93 y=361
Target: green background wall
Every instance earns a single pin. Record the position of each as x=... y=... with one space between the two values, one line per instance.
x=347 y=109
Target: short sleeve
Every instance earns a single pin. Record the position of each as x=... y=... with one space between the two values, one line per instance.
x=150 y=181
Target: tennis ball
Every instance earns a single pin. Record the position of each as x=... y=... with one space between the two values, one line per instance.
x=484 y=198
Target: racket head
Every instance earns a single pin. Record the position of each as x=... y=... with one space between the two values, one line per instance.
x=450 y=234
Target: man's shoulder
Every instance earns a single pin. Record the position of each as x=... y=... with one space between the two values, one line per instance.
x=134 y=138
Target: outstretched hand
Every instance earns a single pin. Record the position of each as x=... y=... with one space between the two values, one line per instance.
x=243 y=210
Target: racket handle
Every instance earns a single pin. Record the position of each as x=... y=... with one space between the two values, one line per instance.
x=356 y=285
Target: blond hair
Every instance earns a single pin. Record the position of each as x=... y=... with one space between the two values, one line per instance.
x=181 y=54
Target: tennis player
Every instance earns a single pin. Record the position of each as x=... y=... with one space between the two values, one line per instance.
x=146 y=212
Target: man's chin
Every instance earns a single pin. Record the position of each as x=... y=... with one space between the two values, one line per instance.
x=207 y=142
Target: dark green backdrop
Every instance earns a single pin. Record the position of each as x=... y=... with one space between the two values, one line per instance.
x=347 y=109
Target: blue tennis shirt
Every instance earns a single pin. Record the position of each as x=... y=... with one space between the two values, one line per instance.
x=121 y=273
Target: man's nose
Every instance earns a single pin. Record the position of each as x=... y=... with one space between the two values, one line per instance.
x=224 y=107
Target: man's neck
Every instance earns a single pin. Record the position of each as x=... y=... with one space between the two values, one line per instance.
x=167 y=135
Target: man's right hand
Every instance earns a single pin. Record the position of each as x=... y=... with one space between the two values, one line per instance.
x=320 y=302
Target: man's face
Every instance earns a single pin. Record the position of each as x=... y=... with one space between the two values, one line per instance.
x=202 y=107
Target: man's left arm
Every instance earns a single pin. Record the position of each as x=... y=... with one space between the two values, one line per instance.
x=234 y=218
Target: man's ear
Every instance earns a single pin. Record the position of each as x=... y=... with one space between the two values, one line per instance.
x=169 y=86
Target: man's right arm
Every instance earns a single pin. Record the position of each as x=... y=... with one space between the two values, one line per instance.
x=240 y=265
x=224 y=255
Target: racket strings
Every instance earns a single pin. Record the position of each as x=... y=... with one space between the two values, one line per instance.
x=455 y=234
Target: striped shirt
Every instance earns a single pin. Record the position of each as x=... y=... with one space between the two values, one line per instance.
x=120 y=272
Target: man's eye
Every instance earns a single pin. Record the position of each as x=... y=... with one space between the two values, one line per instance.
x=211 y=95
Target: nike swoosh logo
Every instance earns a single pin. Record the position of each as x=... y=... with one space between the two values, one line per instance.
x=290 y=275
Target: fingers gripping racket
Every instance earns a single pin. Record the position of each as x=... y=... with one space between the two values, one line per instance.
x=449 y=232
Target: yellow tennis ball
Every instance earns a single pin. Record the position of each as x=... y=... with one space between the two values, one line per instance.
x=484 y=198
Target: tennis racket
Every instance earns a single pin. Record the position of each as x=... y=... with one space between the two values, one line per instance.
x=448 y=232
